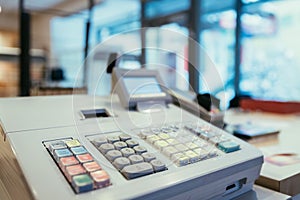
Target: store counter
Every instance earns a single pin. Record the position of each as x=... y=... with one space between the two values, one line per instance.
x=281 y=169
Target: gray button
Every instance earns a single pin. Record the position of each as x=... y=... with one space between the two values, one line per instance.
x=140 y=149
x=137 y=170
x=148 y=156
x=113 y=139
x=104 y=148
x=120 y=145
x=113 y=154
x=124 y=137
x=132 y=143
x=127 y=152
x=99 y=140
x=158 y=165
x=136 y=159
x=57 y=145
x=121 y=162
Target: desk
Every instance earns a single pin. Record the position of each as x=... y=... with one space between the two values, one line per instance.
x=12 y=182
x=285 y=179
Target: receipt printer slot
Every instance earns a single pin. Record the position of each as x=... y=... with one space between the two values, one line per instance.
x=95 y=113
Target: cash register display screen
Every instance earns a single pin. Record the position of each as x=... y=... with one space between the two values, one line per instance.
x=142 y=85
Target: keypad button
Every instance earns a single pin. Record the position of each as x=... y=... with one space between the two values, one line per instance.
x=57 y=145
x=192 y=145
x=193 y=156
x=91 y=166
x=113 y=139
x=212 y=153
x=145 y=132
x=82 y=183
x=137 y=170
x=127 y=152
x=181 y=147
x=67 y=161
x=99 y=141
x=172 y=141
x=202 y=153
x=139 y=149
x=121 y=162
x=72 y=143
x=218 y=139
x=160 y=144
x=180 y=159
x=84 y=158
x=123 y=137
x=135 y=159
x=158 y=165
x=228 y=146
x=59 y=153
x=170 y=150
x=101 y=179
x=74 y=170
x=78 y=150
x=152 y=138
x=132 y=143
x=148 y=156
x=207 y=135
x=163 y=136
x=155 y=130
x=104 y=148
x=120 y=145
x=113 y=154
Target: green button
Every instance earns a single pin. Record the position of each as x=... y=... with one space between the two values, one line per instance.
x=82 y=183
x=228 y=146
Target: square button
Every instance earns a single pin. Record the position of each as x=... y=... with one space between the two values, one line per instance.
x=101 y=178
x=91 y=166
x=59 y=153
x=67 y=161
x=82 y=183
x=228 y=146
x=73 y=143
x=57 y=145
x=78 y=150
x=85 y=158
x=74 y=170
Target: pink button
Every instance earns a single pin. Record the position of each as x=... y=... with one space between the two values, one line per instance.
x=85 y=158
x=67 y=161
x=101 y=178
x=91 y=166
x=74 y=170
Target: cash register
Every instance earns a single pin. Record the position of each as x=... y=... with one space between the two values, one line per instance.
x=132 y=144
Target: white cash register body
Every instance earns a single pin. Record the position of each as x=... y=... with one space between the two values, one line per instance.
x=87 y=147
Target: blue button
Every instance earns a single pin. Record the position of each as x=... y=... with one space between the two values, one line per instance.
x=58 y=153
x=78 y=150
x=228 y=146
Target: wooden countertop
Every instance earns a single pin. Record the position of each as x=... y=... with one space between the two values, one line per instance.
x=12 y=182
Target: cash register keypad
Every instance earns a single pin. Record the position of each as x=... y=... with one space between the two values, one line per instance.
x=129 y=157
x=188 y=143
x=77 y=164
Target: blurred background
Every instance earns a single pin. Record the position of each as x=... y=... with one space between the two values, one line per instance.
x=252 y=43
